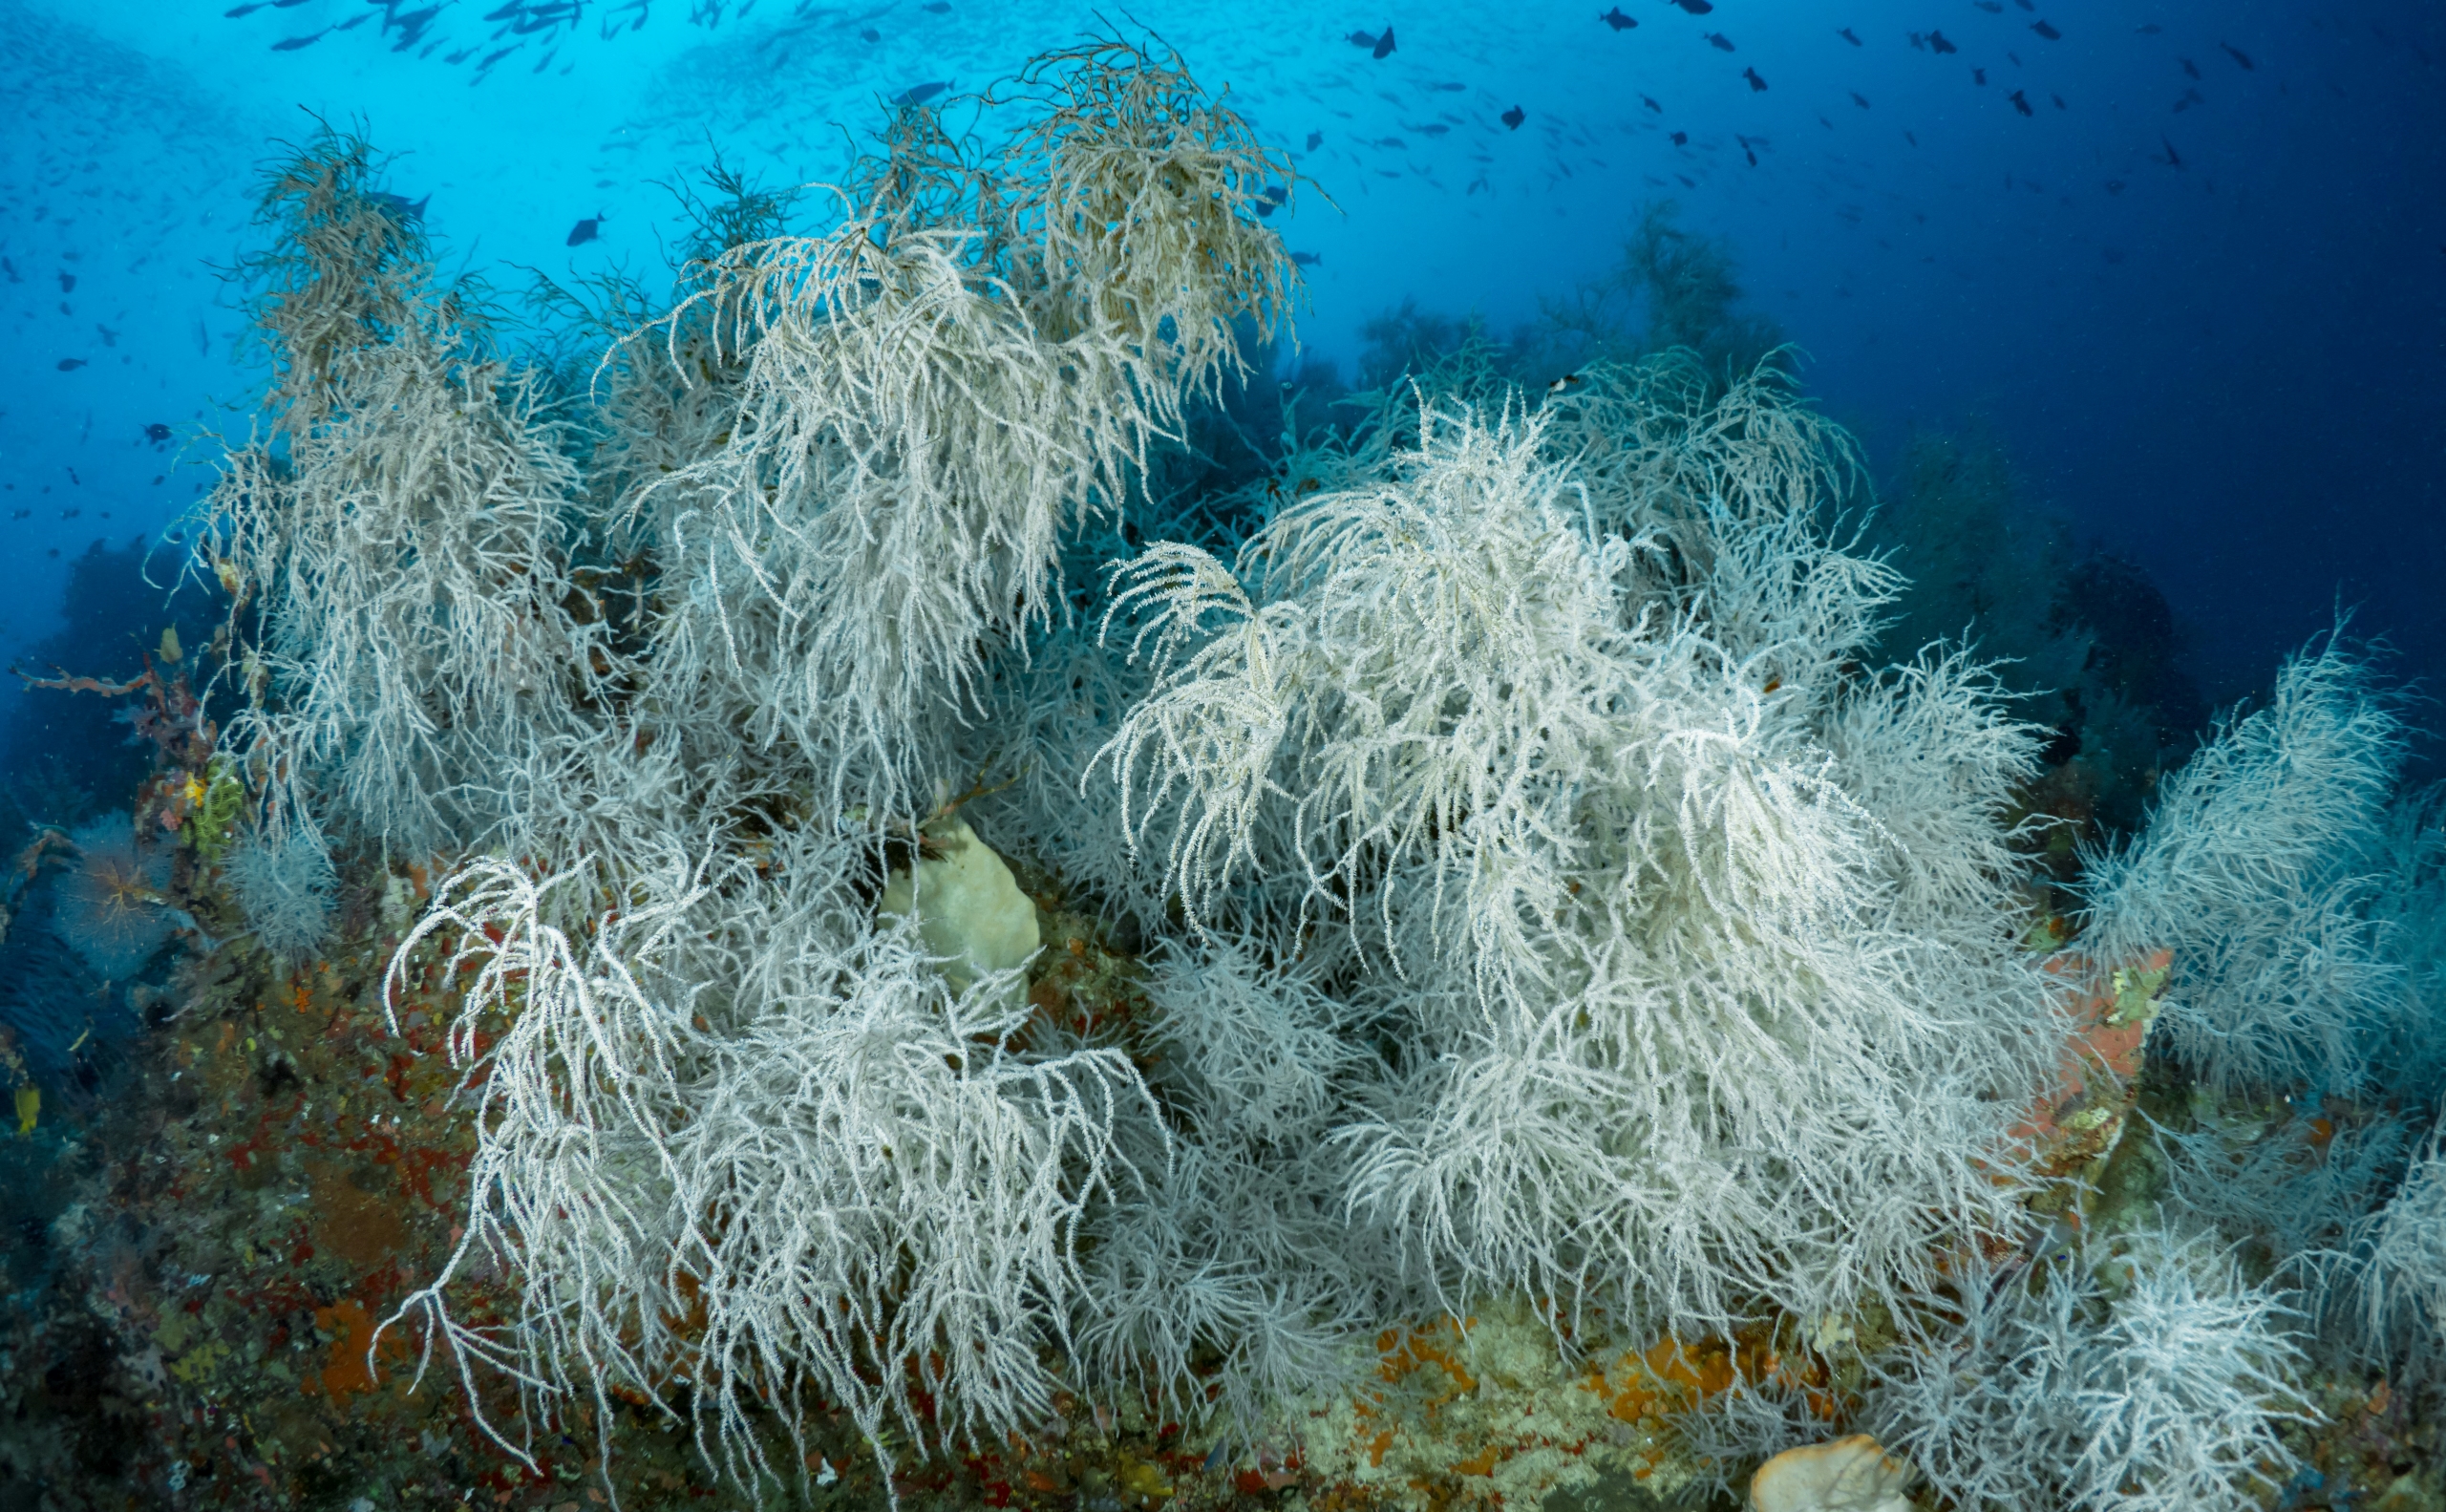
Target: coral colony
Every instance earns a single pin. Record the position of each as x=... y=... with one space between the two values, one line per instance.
x=921 y=941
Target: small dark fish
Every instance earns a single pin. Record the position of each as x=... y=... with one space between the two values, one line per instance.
x=2114 y=187
x=1991 y=7
x=67 y=283
x=920 y=94
x=1513 y=117
x=1620 y=22
x=1913 y=141
x=235 y=12
x=1681 y=139
x=1746 y=150
x=499 y=53
x=1651 y=104
x=1308 y=258
x=2015 y=56
x=1720 y=41
x=1919 y=42
x=869 y=33
x=1366 y=39
x=70 y=364
x=1858 y=99
x=1394 y=142
x=1936 y=40
x=1845 y=32
x=2047 y=31
x=1979 y=77
x=1315 y=139
x=1758 y=85
x=2059 y=102
x=1275 y=193
x=1564 y=383
x=158 y=433
x=2150 y=28
x=2174 y=158
x=2020 y=104
x=291 y=44
x=505 y=12
x=2189 y=67
x=2239 y=56
x=11 y=269
x=1384 y=45
x=586 y=230
x=1697 y=7
x=1449 y=88
x=110 y=337
x=22 y=514
x=2026 y=4
x=937 y=7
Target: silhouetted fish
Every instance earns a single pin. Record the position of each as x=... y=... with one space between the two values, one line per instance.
x=1308 y=258
x=70 y=364
x=1845 y=32
x=586 y=230
x=1758 y=85
x=1936 y=40
x=1979 y=77
x=290 y=44
x=1745 y=152
x=2174 y=158
x=2189 y=67
x=67 y=283
x=1384 y=45
x=2239 y=56
x=158 y=433
x=1366 y=39
x=1315 y=139
x=2019 y=103
x=2148 y=29
x=1620 y=22
x=920 y=94
x=1720 y=41
x=1681 y=139
x=1991 y=7
x=400 y=206
x=2047 y=31
x=2059 y=102
x=1513 y=117
x=1449 y=87
x=1697 y=7
x=1651 y=104
x=1913 y=141
x=1856 y=99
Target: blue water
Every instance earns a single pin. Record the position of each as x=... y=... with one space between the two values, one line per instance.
x=2206 y=314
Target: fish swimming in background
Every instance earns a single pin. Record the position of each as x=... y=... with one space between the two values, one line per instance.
x=2059 y=102
x=1620 y=22
x=1991 y=7
x=1697 y=7
x=1681 y=139
x=1913 y=141
x=2046 y=30
x=67 y=283
x=1720 y=41
x=1936 y=40
x=2239 y=56
x=1513 y=117
x=1858 y=100
x=1746 y=150
x=2020 y=104
x=920 y=94
x=158 y=433
x=290 y=44
x=1315 y=139
x=1979 y=77
x=1758 y=85
x=1308 y=258
x=586 y=230
x=1366 y=39
x=937 y=6
x=70 y=364
x=1845 y=32
x=2148 y=29
x=1920 y=41
x=11 y=269
x=1384 y=44
x=2174 y=158
x=2189 y=67
x=400 y=206
x=1449 y=87
x=1650 y=103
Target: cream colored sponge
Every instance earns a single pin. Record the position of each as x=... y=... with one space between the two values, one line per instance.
x=1848 y=1474
x=968 y=909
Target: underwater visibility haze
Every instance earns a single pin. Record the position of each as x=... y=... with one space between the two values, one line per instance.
x=953 y=754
